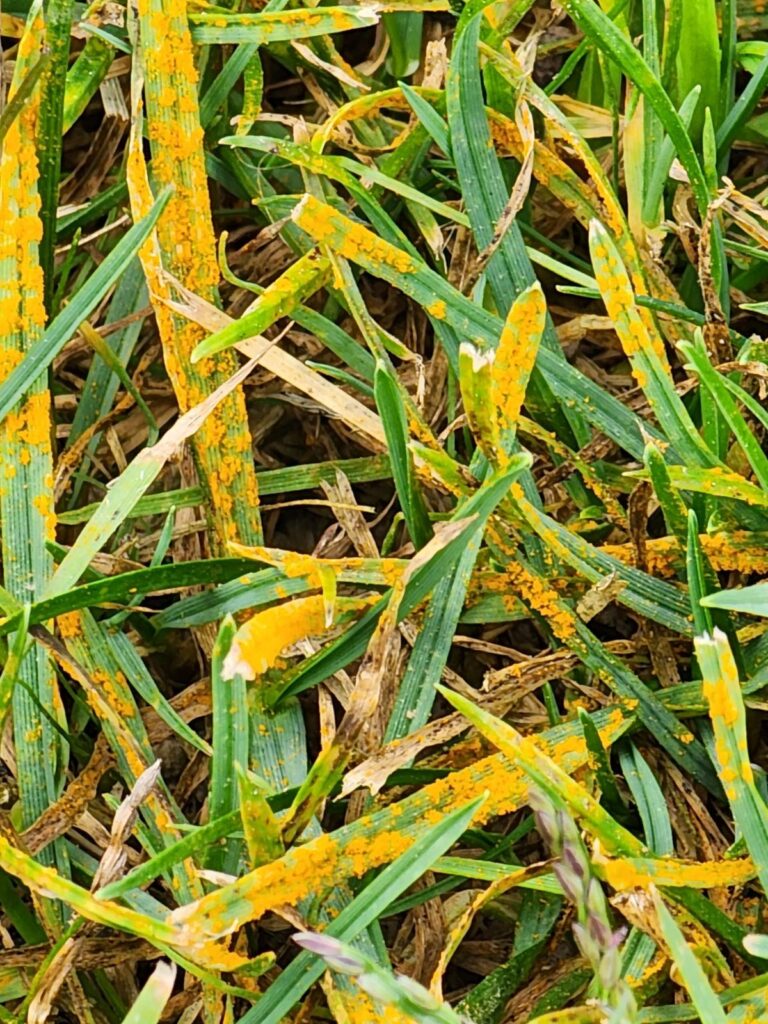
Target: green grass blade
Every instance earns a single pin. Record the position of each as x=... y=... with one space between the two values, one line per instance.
x=230 y=742
x=649 y=798
x=404 y=30
x=742 y=108
x=101 y=384
x=750 y=600
x=695 y=571
x=84 y=78
x=697 y=54
x=699 y=362
x=659 y=171
x=301 y=280
x=705 y=1000
x=13 y=661
x=393 y=417
x=58 y=21
x=618 y=47
x=416 y=692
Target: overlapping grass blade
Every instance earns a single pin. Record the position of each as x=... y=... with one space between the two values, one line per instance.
x=509 y=270
x=60 y=330
x=364 y=909
x=357 y=244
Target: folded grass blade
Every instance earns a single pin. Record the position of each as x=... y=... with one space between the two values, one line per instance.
x=644 y=347
x=150 y=1003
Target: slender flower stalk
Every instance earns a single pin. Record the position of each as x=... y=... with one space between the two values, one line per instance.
x=593 y=932
x=393 y=990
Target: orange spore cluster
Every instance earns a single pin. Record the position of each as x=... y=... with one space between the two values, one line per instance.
x=350 y=239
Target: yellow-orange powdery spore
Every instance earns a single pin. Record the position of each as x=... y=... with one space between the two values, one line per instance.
x=348 y=238
x=540 y=597
x=264 y=637
x=359 y=1008
x=516 y=355
x=25 y=433
x=260 y=641
x=437 y=309
x=625 y=873
x=739 y=551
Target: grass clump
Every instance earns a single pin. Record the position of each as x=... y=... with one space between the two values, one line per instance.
x=431 y=633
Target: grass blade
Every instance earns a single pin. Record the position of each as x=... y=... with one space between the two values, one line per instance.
x=185 y=247
x=230 y=742
x=726 y=709
x=26 y=497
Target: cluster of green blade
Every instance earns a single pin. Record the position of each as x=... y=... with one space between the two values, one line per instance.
x=384 y=512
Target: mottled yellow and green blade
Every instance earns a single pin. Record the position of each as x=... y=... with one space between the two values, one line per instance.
x=26 y=461
x=185 y=248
